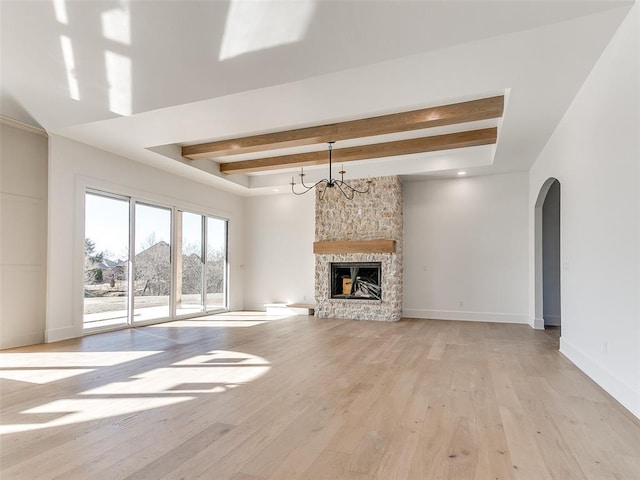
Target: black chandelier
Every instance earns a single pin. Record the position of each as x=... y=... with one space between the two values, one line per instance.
x=347 y=190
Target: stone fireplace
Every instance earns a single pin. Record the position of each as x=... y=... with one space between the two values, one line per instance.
x=359 y=250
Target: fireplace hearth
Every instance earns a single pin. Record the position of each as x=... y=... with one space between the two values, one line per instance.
x=356 y=280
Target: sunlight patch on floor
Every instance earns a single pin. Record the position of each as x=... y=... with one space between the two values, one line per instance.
x=52 y=360
x=207 y=323
x=46 y=367
x=72 y=410
x=41 y=377
x=230 y=319
x=212 y=372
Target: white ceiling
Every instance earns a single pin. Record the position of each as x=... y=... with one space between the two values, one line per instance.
x=141 y=78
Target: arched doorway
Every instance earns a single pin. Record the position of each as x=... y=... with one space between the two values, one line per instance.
x=548 y=263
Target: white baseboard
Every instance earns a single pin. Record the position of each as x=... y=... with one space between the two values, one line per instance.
x=466 y=316
x=58 y=334
x=537 y=323
x=21 y=340
x=617 y=388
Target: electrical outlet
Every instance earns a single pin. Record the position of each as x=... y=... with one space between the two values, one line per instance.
x=460 y=303
x=605 y=347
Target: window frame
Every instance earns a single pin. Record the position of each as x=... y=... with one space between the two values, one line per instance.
x=174 y=208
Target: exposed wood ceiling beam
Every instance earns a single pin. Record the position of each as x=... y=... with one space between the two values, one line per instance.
x=482 y=109
x=470 y=138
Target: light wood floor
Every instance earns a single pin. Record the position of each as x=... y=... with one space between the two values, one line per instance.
x=242 y=397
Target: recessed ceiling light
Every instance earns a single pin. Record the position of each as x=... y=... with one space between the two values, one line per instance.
x=461 y=173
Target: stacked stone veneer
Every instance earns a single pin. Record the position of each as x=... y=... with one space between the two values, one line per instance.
x=376 y=215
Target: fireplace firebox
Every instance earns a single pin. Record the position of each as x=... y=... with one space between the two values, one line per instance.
x=356 y=280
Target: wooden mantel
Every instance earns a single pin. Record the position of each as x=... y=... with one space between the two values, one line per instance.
x=361 y=246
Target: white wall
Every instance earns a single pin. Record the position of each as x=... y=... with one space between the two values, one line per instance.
x=75 y=166
x=23 y=235
x=278 y=260
x=465 y=248
x=595 y=154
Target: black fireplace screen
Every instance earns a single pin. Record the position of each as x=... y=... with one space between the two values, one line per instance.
x=357 y=281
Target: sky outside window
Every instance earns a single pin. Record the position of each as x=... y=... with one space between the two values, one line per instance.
x=107 y=224
x=153 y=225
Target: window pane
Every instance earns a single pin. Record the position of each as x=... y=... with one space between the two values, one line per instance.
x=216 y=262
x=106 y=261
x=152 y=265
x=190 y=265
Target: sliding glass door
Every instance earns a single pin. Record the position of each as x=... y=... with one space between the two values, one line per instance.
x=106 y=261
x=216 y=272
x=152 y=263
x=190 y=264
x=201 y=263
x=156 y=281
